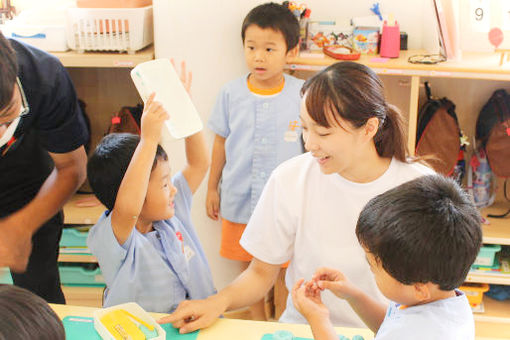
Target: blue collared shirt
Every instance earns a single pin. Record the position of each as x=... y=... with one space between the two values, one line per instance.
x=449 y=318
x=261 y=132
x=159 y=269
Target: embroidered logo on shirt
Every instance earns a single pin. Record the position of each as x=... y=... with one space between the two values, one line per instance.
x=188 y=253
x=291 y=134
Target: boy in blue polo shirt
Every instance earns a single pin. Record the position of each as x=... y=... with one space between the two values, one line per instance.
x=420 y=240
x=255 y=120
x=145 y=243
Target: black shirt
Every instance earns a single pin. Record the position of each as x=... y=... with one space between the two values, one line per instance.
x=54 y=123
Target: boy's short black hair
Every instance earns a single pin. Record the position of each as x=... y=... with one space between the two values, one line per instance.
x=109 y=162
x=425 y=230
x=26 y=316
x=277 y=17
x=8 y=71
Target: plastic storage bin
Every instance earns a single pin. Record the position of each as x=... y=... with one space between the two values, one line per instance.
x=5 y=275
x=50 y=38
x=74 y=237
x=109 y=29
x=76 y=275
x=486 y=256
x=474 y=292
x=113 y=3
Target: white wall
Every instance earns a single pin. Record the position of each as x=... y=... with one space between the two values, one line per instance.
x=207 y=35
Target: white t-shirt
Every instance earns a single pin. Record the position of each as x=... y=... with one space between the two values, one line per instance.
x=449 y=318
x=310 y=218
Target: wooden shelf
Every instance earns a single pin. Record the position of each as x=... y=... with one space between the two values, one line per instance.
x=498 y=231
x=473 y=65
x=491 y=331
x=105 y=59
x=495 y=311
x=82 y=215
x=497 y=279
x=77 y=258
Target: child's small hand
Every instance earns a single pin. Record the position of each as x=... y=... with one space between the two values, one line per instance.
x=186 y=78
x=308 y=302
x=335 y=281
x=212 y=204
x=153 y=117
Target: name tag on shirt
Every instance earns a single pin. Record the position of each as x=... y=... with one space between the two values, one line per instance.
x=291 y=135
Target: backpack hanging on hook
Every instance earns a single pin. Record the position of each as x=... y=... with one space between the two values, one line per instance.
x=438 y=136
x=493 y=137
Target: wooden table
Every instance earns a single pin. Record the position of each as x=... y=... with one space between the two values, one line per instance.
x=228 y=328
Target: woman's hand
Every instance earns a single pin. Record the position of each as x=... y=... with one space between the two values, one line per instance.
x=191 y=315
x=335 y=281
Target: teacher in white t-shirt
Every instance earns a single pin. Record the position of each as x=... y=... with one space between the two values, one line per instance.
x=309 y=207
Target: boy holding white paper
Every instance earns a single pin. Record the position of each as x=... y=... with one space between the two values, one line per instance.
x=145 y=243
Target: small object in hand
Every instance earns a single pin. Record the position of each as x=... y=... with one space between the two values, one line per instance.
x=191 y=318
x=341 y=52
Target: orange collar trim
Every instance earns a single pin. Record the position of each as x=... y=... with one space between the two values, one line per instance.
x=265 y=92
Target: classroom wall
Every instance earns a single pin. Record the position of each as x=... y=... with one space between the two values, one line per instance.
x=207 y=35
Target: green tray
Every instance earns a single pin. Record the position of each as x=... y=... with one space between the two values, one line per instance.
x=82 y=328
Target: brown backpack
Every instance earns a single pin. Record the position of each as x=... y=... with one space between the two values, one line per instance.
x=493 y=132
x=438 y=136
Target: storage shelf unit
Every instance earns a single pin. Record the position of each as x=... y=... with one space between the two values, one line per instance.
x=474 y=67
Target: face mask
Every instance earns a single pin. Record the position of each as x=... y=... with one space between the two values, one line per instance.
x=6 y=137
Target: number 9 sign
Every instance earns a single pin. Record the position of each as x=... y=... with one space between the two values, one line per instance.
x=479 y=15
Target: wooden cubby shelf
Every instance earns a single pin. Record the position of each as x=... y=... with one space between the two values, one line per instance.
x=105 y=59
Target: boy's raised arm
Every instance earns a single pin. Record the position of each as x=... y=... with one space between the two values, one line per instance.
x=197 y=160
x=133 y=188
x=196 y=151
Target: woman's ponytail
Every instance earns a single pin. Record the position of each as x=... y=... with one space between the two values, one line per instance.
x=391 y=139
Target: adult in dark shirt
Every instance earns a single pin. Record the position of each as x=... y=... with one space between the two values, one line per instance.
x=42 y=163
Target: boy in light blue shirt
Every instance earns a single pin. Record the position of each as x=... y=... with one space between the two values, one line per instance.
x=255 y=120
x=420 y=240
x=145 y=243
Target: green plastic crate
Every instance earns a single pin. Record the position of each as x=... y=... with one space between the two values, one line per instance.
x=486 y=256
x=5 y=276
x=79 y=276
x=74 y=237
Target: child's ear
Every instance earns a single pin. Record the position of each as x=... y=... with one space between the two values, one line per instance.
x=292 y=53
x=421 y=291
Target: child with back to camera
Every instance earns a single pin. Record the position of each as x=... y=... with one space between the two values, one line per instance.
x=420 y=240
x=145 y=243
x=26 y=316
x=255 y=120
